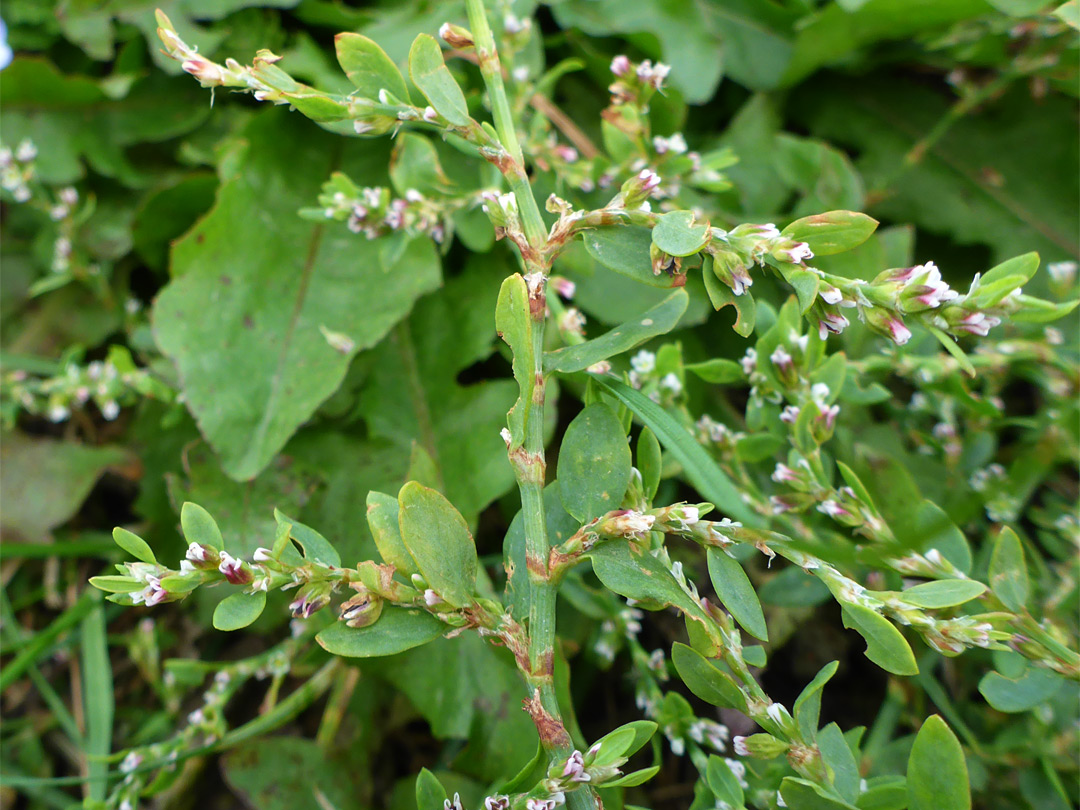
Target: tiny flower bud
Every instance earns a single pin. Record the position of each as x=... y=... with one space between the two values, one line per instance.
x=791 y=251
x=236 y=571
x=760 y=746
x=455 y=36
x=620 y=65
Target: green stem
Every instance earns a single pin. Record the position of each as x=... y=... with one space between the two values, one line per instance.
x=491 y=70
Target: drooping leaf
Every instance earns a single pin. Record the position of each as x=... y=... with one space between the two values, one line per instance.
x=396 y=630
x=937 y=776
x=594 y=463
x=885 y=645
x=659 y=320
x=705 y=680
x=239 y=610
x=736 y=593
x=439 y=541
x=248 y=296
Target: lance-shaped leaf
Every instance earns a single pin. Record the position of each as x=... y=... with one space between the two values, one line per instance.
x=832 y=232
x=254 y=284
x=735 y=592
x=659 y=320
x=807 y=707
x=396 y=630
x=698 y=465
x=594 y=463
x=515 y=325
x=706 y=680
x=368 y=67
x=1008 y=571
x=943 y=593
x=439 y=541
x=430 y=74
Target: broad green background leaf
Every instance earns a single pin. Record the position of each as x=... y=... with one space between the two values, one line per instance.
x=413 y=392
x=250 y=296
x=396 y=630
x=439 y=541
x=284 y=773
x=937 y=775
x=43 y=482
x=594 y=463
x=659 y=320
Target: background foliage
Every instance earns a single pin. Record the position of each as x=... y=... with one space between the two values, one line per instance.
x=261 y=360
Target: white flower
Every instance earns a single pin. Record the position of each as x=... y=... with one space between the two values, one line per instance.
x=739 y=744
x=25 y=151
x=776 y=713
x=780 y=358
x=749 y=362
x=819 y=393
x=620 y=65
x=110 y=409
x=789 y=414
x=830 y=294
x=262 y=554
x=643 y=362
x=671 y=382
x=452 y=805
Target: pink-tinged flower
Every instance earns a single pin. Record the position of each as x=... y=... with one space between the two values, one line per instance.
x=832 y=322
x=497 y=803
x=789 y=414
x=574 y=769
x=830 y=294
x=833 y=509
x=779 y=504
x=262 y=554
x=780 y=358
x=621 y=65
x=794 y=252
x=235 y=571
x=566 y=153
x=829 y=414
x=749 y=362
x=977 y=323
x=431 y=599
x=739 y=744
x=208 y=74
x=783 y=474
x=898 y=331
x=649 y=179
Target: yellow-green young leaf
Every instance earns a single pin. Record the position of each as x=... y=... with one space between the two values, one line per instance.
x=649 y=462
x=239 y=610
x=397 y=629
x=514 y=325
x=677 y=234
x=1023 y=266
x=937 y=776
x=705 y=680
x=199 y=526
x=659 y=320
x=133 y=545
x=807 y=708
x=1008 y=571
x=382 y=518
x=735 y=592
x=717 y=370
x=634 y=778
x=439 y=541
x=115 y=584
x=594 y=463
x=1069 y=13
x=368 y=67
x=943 y=593
x=832 y=232
x=885 y=645
x=720 y=295
x=430 y=74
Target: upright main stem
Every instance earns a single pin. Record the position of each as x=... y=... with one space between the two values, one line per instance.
x=530 y=466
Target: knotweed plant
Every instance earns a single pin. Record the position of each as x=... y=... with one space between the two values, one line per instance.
x=702 y=514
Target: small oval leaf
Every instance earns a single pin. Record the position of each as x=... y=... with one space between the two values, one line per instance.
x=199 y=526
x=439 y=542
x=239 y=610
x=397 y=629
x=594 y=463
x=832 y=232
x=134 y=545
x=735 y=592
x=937 y=776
